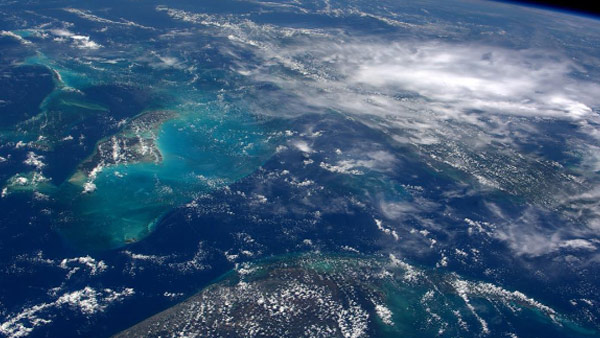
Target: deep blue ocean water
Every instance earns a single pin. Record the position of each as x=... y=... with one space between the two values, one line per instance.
x=149 y=150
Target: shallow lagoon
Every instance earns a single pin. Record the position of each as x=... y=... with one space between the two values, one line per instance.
x=197 y=155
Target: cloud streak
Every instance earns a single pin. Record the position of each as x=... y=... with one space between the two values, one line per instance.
x=467 y=105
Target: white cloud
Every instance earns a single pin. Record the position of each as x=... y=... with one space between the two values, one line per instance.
x=366 y=75
x=465 y=76
x=302 y=146
x=35 y=160
x=87 y=301
x=94 y=266
x=448 y=79
x=380 y=161
x=14 y=36
x=531 y=235
x=578 y=244
x=91 y=17
x=78 y=41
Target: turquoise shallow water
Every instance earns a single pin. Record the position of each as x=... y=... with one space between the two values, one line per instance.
x=65 y=76
x=202 y=149
x=112 y=197
x=117 y=194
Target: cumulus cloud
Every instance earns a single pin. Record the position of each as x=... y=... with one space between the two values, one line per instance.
x=86 y=301
x=355 y=164
x=78 y=41
x=14 y=36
